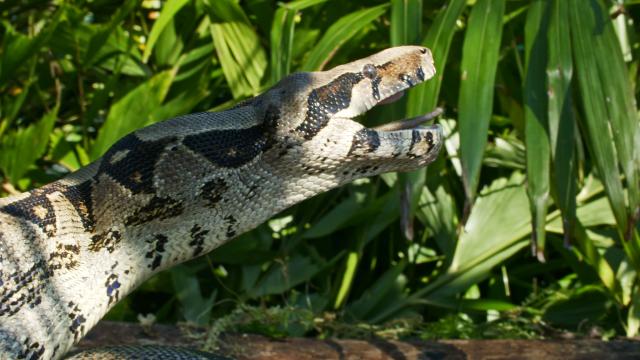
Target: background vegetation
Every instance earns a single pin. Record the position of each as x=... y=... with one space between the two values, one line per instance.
x=528 y=222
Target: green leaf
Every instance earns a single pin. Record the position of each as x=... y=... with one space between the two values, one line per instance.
x=406 y=22
x=243 y=59
x=496 y=230
x=596 y=64
x=282 y=276
x=374 y=299
x=282 y=36
x=99 y=38
x=169 y=10
x=339 y=33
x=17 y=48
x=536 y=137
x=562 y=125
x=21 y=148
x=196 y=309
x=584 y=20
x=424 y=97
x=133 y=111
x=335 y=219
x=478 y=69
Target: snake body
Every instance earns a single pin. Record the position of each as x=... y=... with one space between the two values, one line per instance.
x=70 y=250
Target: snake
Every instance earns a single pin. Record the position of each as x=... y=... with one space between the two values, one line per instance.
x=177 y=189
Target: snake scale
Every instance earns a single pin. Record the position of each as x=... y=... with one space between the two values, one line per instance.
x=70 y=250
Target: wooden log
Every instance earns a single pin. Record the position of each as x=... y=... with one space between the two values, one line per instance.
x=256 y=347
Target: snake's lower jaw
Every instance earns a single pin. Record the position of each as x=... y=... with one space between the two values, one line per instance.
x=397 y=150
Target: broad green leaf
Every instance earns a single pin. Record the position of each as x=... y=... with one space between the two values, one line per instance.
x=282 y=36
x=437 y=211
x=478 y=69
x=535 y=112
x=241 y=55
x=623 y=115
x=21 y=148
x=372 y=299
x=340 y=32
x=284 y=275
x=133 y=111
x=583 y=22
x=334 y=219
x=498 y=221
x=406 y=22
x=608 y=146
x=562 y=127
x=99 y=38
x=226 y=11
x=496 y=230
x=169 y=10
x=196 y=308
x=18 y=48
x=424 y=97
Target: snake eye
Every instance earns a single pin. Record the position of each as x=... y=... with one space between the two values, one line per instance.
x=370 y=71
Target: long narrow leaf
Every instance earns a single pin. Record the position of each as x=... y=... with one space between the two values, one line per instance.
x=479 y=62
x=339 y=33
x=21 y=148
x=406 y=22
x=585 y=22
x=562 y=127
x=169 y=10
x=282 y=35
x=536 y=136
x=133 y=111
x=424 y=97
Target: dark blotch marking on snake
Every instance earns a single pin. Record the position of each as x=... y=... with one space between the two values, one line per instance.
x=134 y=170
x=430 y=140
x=213 y=191
x=64 y=256
x=325 y=101
x=80 y=197
x=366 y=139
x=158 y=208
x=230 y=148
x=105 y=240
x=197 y=235
x=112 y=286
x=420 y=73
x=415 y=138
x=77 y=321
x=31 y=350
x=36 y=209
x=231 y=222
x=23 y=288
x=159 y=241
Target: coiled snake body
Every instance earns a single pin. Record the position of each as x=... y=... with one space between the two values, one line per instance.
x=70 y=250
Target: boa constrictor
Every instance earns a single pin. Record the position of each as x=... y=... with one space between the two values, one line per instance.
x=70 y=250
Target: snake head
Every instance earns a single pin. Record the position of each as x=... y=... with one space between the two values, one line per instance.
x=321 y=132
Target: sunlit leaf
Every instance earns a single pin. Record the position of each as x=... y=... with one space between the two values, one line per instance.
x=133 y=111
x=21 y=148
x=339 y=33
x=169 y=10
x=479 y=62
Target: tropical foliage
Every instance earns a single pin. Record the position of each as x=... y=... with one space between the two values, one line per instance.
x=531 y=212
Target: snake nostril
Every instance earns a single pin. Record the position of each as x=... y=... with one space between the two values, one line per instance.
x=423 y=50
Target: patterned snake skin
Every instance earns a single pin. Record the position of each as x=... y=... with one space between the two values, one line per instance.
x=70 y=250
